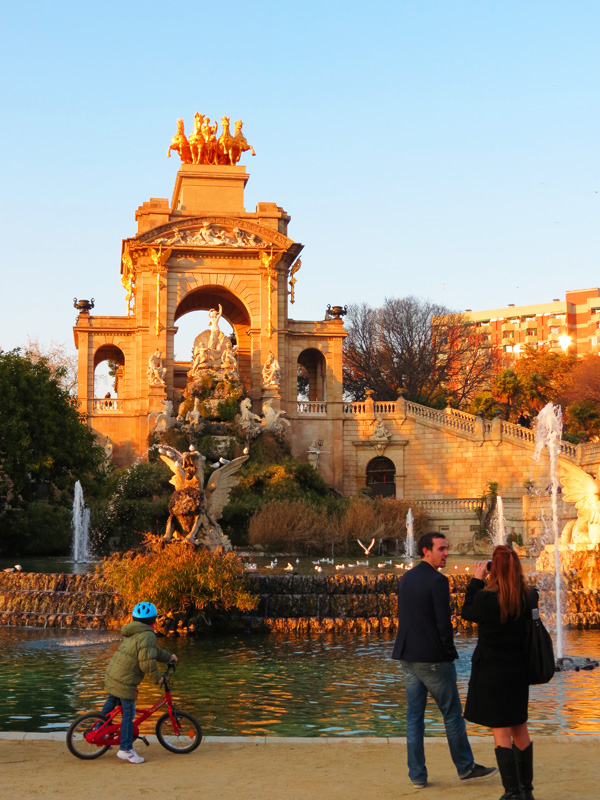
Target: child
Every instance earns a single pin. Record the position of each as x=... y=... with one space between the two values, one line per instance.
x=137 y=656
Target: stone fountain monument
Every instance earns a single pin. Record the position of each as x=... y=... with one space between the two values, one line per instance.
x=579 y=544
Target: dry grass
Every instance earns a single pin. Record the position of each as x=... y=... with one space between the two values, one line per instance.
x=295 y=526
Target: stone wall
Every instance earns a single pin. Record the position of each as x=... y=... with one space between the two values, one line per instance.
x=303 y=604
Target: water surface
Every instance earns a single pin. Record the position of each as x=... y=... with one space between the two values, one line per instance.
x=276 y=685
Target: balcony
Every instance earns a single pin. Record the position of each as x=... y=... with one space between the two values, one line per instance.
x=107 y=405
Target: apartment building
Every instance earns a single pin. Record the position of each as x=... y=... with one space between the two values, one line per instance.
x=571 y=325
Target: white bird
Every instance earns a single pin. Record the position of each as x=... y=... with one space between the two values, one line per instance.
x=251 y=567
x=297 y=561
x=246 y=451
x=366 y=549
x=340 y=566
x=224 y=461
x=318 y=568
x=289 y=568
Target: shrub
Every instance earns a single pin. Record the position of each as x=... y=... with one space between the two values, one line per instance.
x=287 y=525
x=178 y=578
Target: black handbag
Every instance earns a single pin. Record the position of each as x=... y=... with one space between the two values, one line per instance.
x=538 y=647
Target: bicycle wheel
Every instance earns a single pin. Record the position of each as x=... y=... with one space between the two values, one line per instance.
x=76 y=741
x=189 y=738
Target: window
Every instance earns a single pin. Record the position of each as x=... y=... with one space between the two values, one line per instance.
x=554 y=330
x=531 y=332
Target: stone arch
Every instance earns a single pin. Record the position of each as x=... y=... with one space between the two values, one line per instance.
x=235 y=311
x=381 y=477
x=110 y=352
x=313 y=364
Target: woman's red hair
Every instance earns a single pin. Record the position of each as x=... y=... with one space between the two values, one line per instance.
x=507 y=579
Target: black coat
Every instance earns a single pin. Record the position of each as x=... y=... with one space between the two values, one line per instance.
x=498 y=688
x=424 y=621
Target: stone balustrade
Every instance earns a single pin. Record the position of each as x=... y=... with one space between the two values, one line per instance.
x=107 y=405
x=310 y=407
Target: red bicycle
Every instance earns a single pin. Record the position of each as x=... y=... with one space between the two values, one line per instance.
x=92 y=734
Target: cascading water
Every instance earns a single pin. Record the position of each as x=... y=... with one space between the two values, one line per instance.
x=81 y=527
x=548 y=434
x=411 y=548
x=498 y=524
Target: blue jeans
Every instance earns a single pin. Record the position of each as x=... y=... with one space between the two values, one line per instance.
x=127 y=720
x=440 y=681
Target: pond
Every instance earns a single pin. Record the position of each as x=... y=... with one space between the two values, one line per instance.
x=257 y=685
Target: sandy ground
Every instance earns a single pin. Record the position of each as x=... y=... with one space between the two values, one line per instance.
x=566 y=767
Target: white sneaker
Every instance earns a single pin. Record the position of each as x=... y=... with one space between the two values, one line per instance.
x=131 y=756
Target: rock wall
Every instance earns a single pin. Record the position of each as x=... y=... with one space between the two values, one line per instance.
x=294 y=603
x=40 y=600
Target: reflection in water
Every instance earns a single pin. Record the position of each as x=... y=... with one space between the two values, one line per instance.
x=335 y=685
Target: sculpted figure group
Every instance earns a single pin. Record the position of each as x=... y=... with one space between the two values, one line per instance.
x=213 y=350
x=203 y=147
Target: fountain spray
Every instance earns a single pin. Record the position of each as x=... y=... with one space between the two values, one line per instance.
x=410 y=549
x=549 y=434
x=81 y=526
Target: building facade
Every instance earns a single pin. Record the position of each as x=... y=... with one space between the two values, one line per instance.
x=571 y=325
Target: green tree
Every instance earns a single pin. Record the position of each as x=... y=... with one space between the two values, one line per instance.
x=44 y=441
x=508 y=390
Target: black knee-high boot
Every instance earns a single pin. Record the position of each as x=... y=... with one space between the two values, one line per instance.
x=524 y=759
x=507 y=765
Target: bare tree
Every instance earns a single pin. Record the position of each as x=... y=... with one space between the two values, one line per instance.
x=429 y=352
x=61 y=361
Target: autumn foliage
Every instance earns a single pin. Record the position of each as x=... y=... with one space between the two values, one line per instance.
x=178 y=578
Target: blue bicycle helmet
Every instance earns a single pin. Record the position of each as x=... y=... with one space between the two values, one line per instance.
x=145 y=612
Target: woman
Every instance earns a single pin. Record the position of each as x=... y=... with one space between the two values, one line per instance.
x=498 y=688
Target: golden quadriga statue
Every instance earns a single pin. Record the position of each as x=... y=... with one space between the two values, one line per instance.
x=203 y=146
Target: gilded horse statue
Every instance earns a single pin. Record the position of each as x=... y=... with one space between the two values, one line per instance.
x=226 y=143
x=240 y=145
x=180 y=144
x=197 y=142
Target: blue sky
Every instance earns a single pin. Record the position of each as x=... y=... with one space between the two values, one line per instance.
x=448 y=150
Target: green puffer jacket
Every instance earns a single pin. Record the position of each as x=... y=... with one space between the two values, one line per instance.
x=137 y=656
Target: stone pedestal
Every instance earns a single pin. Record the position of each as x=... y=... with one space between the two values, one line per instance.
x=207 y=189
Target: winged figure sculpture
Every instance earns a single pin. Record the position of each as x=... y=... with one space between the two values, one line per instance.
x=580 y=488
x=194 y=510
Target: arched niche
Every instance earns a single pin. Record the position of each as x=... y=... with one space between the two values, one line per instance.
x=381 y=477
x=234 y=311
x=103 y=383
x=312 y=365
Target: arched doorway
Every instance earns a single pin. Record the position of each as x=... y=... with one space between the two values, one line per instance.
x=234 y=313
x=381 y=477
x=312 y=369
x=109 y=372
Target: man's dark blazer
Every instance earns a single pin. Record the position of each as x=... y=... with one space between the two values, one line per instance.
x=424 y=622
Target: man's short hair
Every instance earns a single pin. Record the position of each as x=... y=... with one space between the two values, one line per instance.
x=426 y=541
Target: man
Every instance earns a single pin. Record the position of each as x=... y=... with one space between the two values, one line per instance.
x=425 y=648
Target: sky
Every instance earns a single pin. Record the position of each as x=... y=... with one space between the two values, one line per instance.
x=446 y=149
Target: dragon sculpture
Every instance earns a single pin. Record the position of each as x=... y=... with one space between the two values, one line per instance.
x=194 y=509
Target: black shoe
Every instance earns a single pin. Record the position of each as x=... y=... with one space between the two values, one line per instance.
x=477 y=771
